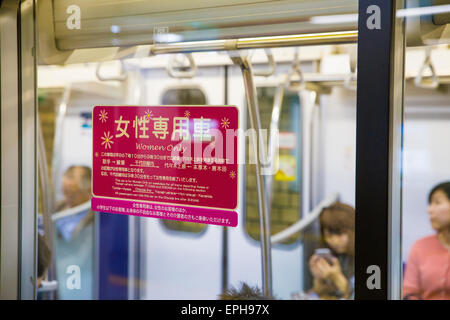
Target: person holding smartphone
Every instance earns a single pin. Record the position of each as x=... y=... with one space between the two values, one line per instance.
x=332 y=266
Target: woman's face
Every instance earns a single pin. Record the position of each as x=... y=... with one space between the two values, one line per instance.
x=338 y=242
x=439 y=210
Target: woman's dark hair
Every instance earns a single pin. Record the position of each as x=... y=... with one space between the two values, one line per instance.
x=44 y=256
x=445 y=187
x=338 y=218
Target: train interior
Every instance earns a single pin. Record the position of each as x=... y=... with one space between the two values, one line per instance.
x=182 y=260
x=307 y=93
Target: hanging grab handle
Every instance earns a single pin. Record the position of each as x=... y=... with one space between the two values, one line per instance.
x=348 y=80
x=293 y=83
x=189 y=73
x=427 y=64
x=271 y=68
x=121 y=77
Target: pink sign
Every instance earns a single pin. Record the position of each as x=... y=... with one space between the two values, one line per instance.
x=170 y=162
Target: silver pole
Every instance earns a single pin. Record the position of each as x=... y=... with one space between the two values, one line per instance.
x=47 y=200
x=264 y=218
x=310 y=39
x=57 y=145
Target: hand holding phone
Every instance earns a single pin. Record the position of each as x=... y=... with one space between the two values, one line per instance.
x=326 y=254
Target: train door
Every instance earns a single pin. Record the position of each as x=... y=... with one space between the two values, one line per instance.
x=18 y=154
x=153 y=267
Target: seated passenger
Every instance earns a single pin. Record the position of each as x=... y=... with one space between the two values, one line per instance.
x=76 y=186
x=333 y=272
x=74 y=237
x=427 y=271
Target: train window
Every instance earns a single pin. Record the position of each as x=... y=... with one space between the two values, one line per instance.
x=184 y=96
x=69 y=190
x=65 y=137
x=426 y=173
x=424 y=197
x=285 y=209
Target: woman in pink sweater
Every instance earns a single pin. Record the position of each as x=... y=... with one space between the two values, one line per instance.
x=427 y=274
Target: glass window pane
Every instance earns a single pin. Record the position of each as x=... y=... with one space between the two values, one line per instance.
x=426 y=157
x=314 y=164
x=118 y=257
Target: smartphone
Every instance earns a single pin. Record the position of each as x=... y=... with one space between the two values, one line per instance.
x=325 y=253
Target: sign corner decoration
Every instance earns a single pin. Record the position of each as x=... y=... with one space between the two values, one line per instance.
x=168 y=162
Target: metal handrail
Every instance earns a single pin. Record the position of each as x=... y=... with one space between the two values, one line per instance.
x=47 y=198
x=264 y=188
x=47 y=203
x=71 y=211
x=340 y=37
x=59 y=128
x=264 y=219
x=304 y=222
